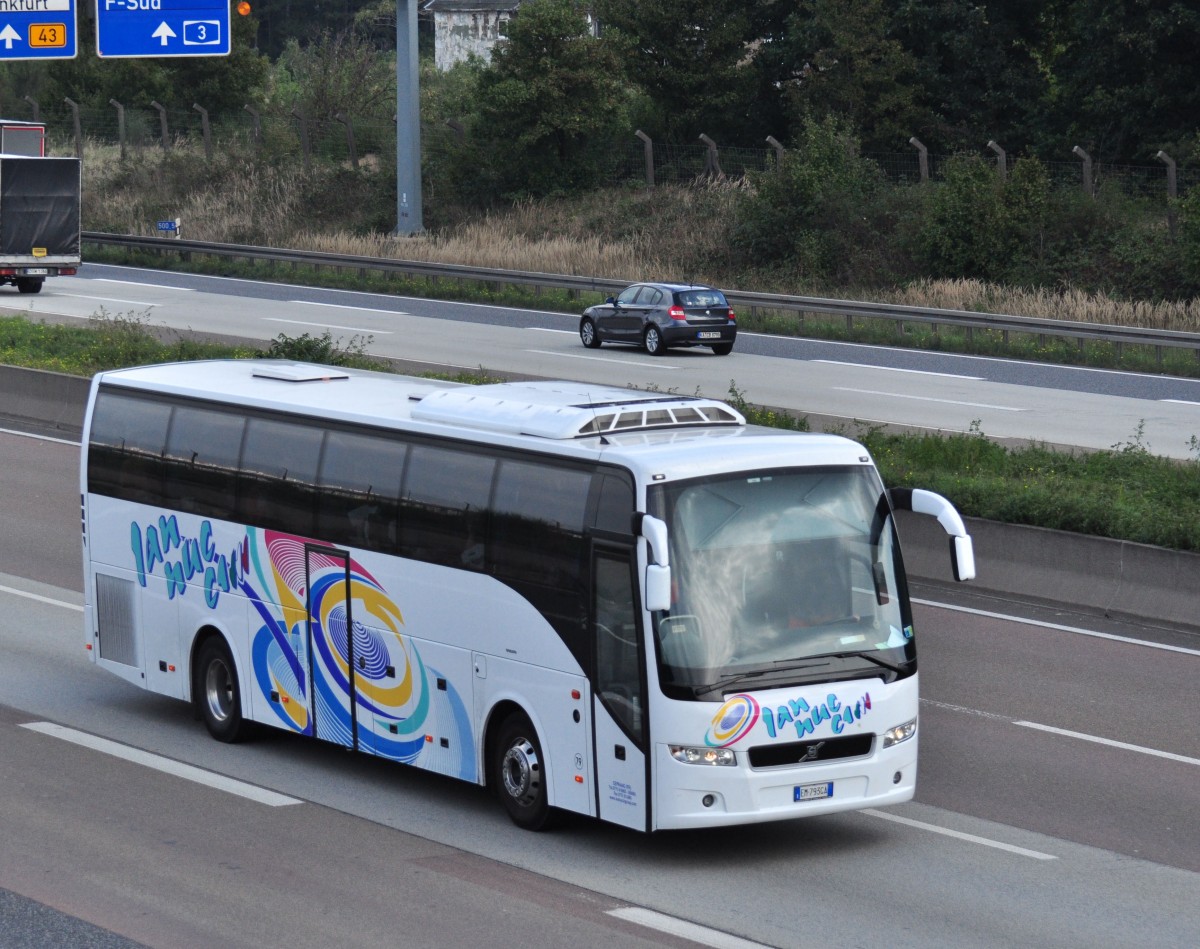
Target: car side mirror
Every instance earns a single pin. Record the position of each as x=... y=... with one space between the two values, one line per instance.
x=612 y=301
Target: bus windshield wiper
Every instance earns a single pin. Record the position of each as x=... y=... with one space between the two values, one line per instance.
x=731 y=678
x=869 y=657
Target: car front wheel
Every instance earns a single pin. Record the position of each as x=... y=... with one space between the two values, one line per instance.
x=653 y=342
x=589 y=335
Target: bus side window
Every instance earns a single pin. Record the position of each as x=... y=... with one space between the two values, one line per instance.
x=201 y=460
x=618 y=665
x=444 y=505
x=276 y=485
x=360 y=490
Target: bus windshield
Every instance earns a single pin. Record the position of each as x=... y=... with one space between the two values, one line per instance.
x=781 y=577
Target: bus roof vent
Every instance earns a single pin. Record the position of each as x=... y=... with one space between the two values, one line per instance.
x=569 y=410
x=297 y=372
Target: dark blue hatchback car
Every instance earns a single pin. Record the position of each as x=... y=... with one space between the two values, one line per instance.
x=658 y=315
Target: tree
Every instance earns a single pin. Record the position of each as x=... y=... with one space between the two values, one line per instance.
x=693 y=59
x=1127 y=78
x=981 y=68
x=551 y=104
x=838 y=58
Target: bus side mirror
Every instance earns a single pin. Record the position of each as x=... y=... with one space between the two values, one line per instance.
x=919 y=501
x=656 y=589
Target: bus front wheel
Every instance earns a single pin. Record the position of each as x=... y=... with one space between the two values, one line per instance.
x=519 y=774
x=216 y=692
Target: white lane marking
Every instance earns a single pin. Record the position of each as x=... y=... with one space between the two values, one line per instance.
x=959 y=835
x=549 y=329
x=13 y=591
x=136 y=283
x=168 y=766
x=1124 y=746
x=1180 y=401
x=925 y=398
x=41 y=438
x=332 y=326
x=678 y=927
x=627 y=362
x=1057 y=626
x=917 y=372
x=356 y=309
x=88 y=296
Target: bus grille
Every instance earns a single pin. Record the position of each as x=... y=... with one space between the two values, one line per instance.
x=114 y=618
x=803 y=752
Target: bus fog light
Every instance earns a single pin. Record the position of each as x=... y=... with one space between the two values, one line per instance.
x=893 y=736
x=897 y=778
x=713 y=756
x=708 y=800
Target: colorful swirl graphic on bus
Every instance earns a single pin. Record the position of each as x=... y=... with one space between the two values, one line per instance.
x=388 y=703
x=733 y=720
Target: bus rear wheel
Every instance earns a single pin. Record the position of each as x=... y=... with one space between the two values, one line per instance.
x=217 y=694
x=519 y=774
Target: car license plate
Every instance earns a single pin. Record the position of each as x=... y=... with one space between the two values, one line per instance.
x=35 y=271
x=812 y=792
x=708 y=335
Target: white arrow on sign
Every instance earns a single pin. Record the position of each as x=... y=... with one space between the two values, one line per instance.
x=8 y=34
x=163 y=33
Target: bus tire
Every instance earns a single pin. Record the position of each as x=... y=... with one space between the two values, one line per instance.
x=217 y=694
x=519 y=773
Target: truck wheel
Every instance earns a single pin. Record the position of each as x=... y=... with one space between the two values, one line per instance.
x=29 y=284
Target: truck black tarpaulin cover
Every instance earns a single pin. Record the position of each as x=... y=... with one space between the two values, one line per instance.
x=39 y=208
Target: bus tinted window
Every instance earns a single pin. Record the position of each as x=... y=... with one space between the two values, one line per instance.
x=278 y=475
x=201 y=461
x=538 y=515
x=125 y=458
x=614 y=506
x=444 y=506
x=360 y=490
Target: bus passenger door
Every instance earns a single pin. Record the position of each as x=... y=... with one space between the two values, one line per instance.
x=330 y=645
x=619 y=694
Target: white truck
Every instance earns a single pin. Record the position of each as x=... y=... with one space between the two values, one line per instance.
x=39 y=219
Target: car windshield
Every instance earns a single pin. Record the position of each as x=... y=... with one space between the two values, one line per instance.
x=701 y=298
x=779 y=578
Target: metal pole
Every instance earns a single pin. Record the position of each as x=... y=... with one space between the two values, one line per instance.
x=1087 y=170
x=408 y=121
x=1172 y=189
x=76 y=125
x=162 y=120
x=712 y=166
x=1001 y=160
x=922 y=157
x=345 y=120
x=120 y=123
x=205 y=131
x=775 y=144
x=648 y=151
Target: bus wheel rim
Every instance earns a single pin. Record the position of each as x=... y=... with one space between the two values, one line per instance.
x=521 y=773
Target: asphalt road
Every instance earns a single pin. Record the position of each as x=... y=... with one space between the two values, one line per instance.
x=1056 y=805
x=872 y=385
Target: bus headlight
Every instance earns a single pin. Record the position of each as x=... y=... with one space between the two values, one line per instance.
x=714 y=756
x=893 y=736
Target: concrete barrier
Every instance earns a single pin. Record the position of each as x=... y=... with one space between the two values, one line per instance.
x=1116 y=578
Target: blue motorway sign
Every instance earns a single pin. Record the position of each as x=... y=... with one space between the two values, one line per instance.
x=37 y=29
x=152 y=28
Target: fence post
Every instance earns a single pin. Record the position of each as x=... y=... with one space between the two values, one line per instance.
x=162 y=121
x=922 y=157
x=1087 y=170
x=205 y=130
x=1172 y=189
x=712 y=167
x=459 y=130
x=774 y=143
x=304 y=139
x=120 y=123
x=648 y=152
x=37 y=113
x=256 y=126
x=1001 y=160
x=345 y=120
x=76 y=126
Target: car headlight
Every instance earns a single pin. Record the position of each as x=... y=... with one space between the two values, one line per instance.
x=714 y=756
x=893 y=736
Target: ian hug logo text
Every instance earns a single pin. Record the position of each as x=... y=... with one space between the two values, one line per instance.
x=738 y=716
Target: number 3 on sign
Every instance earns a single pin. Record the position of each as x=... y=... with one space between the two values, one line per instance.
x=52 y=35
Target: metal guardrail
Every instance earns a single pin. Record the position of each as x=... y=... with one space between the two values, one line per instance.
x=1116 y=335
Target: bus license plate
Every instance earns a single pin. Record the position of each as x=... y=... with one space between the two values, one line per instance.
x=708 y=335
x=812 y=792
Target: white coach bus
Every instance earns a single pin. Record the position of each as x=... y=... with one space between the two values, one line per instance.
x=625 y=604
